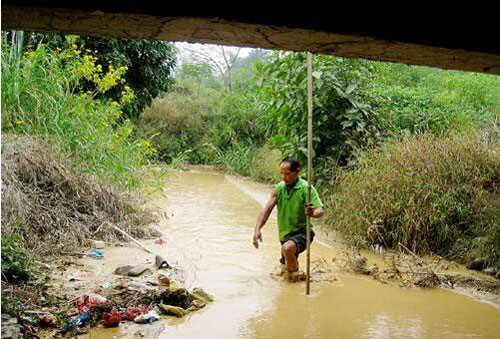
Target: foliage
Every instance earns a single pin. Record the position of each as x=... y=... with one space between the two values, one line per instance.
x=149 y=65
x=425 y=192
x=15 y=259
x=343 y=117
x=426 y=99
x=40 y=96
x=199 y=73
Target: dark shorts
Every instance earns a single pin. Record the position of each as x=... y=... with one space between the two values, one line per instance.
x=300 y=239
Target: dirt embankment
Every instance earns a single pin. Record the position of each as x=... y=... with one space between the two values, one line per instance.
x=409 y=270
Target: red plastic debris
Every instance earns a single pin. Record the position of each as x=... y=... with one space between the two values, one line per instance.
x=160 y=241
x=89 y=300
x=164 y=280
x=111 y=319
x=133 y=312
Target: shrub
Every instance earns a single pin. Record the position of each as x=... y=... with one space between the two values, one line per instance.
x=40 y=97
x=15 y=260
x=424 y=192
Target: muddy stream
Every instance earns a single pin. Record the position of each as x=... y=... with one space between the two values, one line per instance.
x=209 y=234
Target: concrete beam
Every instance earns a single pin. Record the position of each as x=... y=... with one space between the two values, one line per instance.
x=253 y=32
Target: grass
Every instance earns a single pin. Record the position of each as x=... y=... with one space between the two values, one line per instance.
x=425 y=192
x=41 y=96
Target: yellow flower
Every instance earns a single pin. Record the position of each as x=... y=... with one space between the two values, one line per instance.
x=19 y=122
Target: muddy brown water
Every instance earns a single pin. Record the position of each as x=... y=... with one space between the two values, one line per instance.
x=209 y=234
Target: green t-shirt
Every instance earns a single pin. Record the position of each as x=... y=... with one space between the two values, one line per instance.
x=291 y=213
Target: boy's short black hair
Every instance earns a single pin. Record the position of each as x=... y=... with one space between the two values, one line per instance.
x=294 y=163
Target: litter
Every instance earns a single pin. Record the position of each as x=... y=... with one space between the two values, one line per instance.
x=163 y=280
x=89 y=300
x=79 y=321
x=98 y=244
x=133 y=312
x=147 y=318
x=94 y=254
x=173 y=310
x=160 y=241
x=111 y=319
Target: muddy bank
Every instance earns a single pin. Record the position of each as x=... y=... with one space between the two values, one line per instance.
x=409 y=270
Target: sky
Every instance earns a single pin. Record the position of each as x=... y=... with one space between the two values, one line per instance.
x=212 y=50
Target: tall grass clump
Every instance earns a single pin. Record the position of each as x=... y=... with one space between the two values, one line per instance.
x=42 y=95
x=427 y=193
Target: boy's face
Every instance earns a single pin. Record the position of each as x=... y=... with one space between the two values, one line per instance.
x=288 y=176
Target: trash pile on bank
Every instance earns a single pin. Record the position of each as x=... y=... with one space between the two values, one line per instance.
x=131 y=299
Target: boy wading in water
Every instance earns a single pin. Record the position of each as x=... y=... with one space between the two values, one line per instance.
x=290 y=196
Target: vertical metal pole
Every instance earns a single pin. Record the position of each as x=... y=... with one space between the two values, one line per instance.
x=309 y=166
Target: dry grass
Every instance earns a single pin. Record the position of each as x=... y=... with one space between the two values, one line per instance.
x=54 y=209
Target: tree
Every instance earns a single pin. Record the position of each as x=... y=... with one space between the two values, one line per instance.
x=344 y=119
x=221 y=59
x=150 y=64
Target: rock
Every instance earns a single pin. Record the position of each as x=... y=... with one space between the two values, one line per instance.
x=477 y=264
x=139 y=270
x=132 y=271
x=491 y=271
x=10 y=327
x=122 y=270
x=173 y=310
x=161 y=263
x=360 y=261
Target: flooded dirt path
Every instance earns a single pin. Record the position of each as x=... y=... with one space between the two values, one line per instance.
x=209 y=230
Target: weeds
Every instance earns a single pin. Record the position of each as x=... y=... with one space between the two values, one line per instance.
x=424 y=192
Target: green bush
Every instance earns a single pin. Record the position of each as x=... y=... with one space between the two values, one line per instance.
x=422 y=99
x=15 y=260
x=40 y=96
x=424 y=192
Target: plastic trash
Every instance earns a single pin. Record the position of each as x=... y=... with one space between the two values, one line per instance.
x=95 y=254
x=98 y=244
x=147 y=318
x=160 y=241
x=111 y=319
x=133 y=312
x=163 y=280
x=105 y=284
x=79 y=321
x=89 y=300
